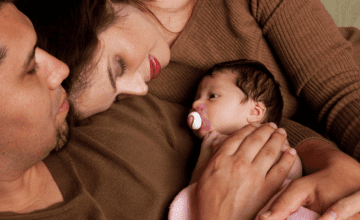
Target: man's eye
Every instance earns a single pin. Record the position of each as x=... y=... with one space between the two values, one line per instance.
x=33 y=70
x=213 y=96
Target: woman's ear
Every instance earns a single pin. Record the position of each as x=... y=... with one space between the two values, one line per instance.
x=257 y=112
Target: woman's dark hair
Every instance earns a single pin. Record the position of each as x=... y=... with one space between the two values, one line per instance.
x=258 y=84
x=68 y=29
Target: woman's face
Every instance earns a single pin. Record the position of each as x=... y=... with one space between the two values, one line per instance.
x=131 y=52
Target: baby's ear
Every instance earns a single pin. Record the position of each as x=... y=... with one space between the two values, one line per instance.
x=257 y=112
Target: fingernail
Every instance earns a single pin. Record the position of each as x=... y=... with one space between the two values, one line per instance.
x=266 y=214
x=329 y=216
x=332 y=215
x=292 y=151
x=281 y=131
x=273 y=125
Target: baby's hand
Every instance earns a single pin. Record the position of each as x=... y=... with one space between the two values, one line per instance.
x=211 y=141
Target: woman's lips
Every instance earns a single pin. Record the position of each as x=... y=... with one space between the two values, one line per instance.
x=155 y=67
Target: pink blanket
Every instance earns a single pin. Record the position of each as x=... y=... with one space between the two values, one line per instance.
x=180 y=208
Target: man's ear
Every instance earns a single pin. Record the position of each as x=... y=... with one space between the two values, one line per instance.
x=257 y=112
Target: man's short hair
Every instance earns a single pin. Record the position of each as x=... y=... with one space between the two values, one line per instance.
x=258 y=84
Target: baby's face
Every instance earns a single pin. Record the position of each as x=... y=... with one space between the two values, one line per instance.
x=219 y=103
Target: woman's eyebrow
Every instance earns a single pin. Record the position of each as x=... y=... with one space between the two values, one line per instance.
x=111 y=77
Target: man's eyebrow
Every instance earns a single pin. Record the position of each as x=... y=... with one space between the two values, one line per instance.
x=31 y=56
x=3 y=53
x=111 y=77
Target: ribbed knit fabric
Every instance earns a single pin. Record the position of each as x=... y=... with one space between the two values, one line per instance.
x=130 y=161
x=296 y=40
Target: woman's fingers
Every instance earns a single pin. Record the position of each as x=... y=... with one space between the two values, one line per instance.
x=256 y=141
x=232 y=144
x=295 y=195
x=241 y=187
x=347 y=208
x=280 y=170
x=268 y=154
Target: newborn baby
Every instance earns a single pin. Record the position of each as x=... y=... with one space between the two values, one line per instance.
x=230 y=96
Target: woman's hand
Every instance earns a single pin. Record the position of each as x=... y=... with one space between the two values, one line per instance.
x=240 y=177
x=334 y=187
x=347 y=208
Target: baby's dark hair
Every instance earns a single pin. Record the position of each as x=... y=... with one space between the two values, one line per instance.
x=258 y=84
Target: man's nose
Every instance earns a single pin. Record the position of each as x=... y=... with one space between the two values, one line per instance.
x=55 y=69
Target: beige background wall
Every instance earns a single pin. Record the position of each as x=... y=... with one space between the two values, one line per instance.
x=344 y=12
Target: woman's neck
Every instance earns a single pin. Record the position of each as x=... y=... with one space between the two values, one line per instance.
x=170 y=16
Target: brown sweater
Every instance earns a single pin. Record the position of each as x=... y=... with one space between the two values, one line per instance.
x=296 y=40
x=130 y=161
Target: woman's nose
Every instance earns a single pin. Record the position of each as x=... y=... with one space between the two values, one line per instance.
x=55 y=70
x=141 y=89
x=136 y=86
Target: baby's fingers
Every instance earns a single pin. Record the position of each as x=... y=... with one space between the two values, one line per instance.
x=209 y=139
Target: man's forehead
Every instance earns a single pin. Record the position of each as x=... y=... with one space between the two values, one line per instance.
x=10 y=14
x=8 y=9
x=17 y=38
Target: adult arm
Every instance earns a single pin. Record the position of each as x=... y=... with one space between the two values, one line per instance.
x=319 y=62
x=326 y=181
x=239 y=178
x=326 y=169
x=330 y=177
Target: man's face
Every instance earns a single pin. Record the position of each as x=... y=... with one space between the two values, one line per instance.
x=33 y=104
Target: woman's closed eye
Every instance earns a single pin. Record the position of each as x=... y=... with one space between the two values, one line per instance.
x=122 y=68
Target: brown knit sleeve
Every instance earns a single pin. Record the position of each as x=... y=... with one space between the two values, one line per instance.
x=297 y=133
x=319 y=62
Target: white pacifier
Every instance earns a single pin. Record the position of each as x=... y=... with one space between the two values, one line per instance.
x=196 y=124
